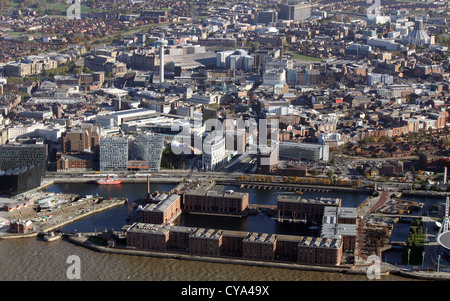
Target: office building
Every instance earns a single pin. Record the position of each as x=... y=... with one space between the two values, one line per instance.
x=84 y=139
x=295 y=12
x=113 y=154
x=214 y=153
x=20 y=179
x=147 y=149
x=267 y=17
x=304 y=151
x=23 y=166
x=234 y=60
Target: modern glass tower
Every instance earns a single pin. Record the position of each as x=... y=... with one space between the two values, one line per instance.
x=114 y=154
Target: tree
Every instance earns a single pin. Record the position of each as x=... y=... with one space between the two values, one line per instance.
x=330 y=173
x=314 y=172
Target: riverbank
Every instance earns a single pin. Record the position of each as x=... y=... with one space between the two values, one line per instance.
x=386 y=269
x=83 y=241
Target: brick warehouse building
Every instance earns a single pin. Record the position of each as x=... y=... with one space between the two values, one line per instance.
x=317 y=250
x=214 y=202
x=259 y=246
x=252 y=246
x=295 y=207
x=206 y=242
x=164 y=212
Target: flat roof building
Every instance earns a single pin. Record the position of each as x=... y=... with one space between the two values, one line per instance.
x=318 y=250
x=206 y=242
x=230 y=202
x=296 y=207
x=259 y=246
x=164 y=212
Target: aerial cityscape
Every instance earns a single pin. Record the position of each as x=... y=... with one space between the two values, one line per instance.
x=225 y=140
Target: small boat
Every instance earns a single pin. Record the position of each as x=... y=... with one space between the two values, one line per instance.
x=109 y=181
x=52 y=236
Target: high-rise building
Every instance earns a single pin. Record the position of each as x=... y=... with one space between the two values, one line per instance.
x=148 y=147
x=22 y=167
x=304 y=151
x=84 y=139
x=234 y=60
x=267 y=17
x=295 y=12
x=113 y=154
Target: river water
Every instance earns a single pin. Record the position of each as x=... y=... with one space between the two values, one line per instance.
x=33 y=259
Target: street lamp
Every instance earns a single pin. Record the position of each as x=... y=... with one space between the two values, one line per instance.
x=439 y=261
x=423 y=258
x=409 y=252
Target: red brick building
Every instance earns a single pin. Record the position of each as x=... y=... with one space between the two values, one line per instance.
x=163 y=212
x=74 y=162
x=206 y=242
x=19 y=226
x=296 y=207
x=287 y=247
x=259 y=246
x=317 y=250
x=214 y=242
x=209 y=201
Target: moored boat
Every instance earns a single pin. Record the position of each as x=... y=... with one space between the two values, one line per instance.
x=52 y=236
x=108 y=181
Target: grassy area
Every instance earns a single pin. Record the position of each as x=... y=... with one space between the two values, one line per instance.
x=300 y=57
x=416 y=241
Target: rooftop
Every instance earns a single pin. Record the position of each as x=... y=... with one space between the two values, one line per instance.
x=299 y=199
x=207 y=233
x=320 y=242
x=261 y=238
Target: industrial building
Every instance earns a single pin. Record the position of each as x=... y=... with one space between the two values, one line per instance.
x=298 y=208
x=22 y=167
x=229 y=202
x=163 y=212
x=235 y=244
